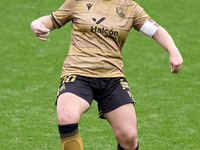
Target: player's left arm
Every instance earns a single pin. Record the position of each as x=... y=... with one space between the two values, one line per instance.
x=165 y=40
x=148 y=27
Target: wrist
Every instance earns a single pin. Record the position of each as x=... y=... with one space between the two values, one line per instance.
x=173 y=50
x=37 y=21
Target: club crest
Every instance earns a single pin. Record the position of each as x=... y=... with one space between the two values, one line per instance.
x=120 y=11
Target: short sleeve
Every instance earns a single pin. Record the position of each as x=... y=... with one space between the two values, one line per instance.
x=63 y=15
x=140 y=17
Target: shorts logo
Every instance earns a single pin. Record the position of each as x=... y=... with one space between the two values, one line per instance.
x=62 y=88
x=125 y=86
x=120 y=11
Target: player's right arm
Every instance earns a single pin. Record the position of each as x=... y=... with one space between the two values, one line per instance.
x=42 y=27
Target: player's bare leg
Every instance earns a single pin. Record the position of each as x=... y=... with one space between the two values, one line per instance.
x=123 y=122
x=69 y=110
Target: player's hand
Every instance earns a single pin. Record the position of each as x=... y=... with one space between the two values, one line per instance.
x=40 y=30
x=175 y=62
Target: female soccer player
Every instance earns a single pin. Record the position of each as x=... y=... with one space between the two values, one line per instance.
x=93 y=68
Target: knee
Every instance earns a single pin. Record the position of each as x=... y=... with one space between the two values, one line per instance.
x=70 y=108
x=67 y=117
x=127 y=139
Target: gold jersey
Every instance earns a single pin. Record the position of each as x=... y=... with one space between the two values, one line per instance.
x=99 y=31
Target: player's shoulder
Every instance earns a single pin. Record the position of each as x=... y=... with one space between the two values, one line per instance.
x=85 y=0
x=125 y=2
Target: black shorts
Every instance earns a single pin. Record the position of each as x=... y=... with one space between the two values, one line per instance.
x=110 y=93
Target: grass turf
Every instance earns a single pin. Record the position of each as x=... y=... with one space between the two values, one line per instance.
x=167 y=105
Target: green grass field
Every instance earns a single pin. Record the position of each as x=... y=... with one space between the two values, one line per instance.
x=168 y=106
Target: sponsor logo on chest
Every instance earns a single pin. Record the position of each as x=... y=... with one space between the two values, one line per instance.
x=103 y=30
x=106 y=31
